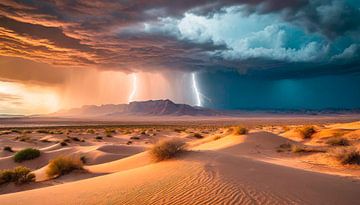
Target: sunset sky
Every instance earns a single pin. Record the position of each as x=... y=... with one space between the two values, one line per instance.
x=226 y=54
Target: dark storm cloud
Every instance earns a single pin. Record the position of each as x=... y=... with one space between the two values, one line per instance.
x=110 y=34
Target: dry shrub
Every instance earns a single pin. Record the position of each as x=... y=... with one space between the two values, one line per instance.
x=239 y=130
x=296 y=148
x=18 y=175
x=306 y=131
x=338 y=141
x=217 y=137
x=63 y=165
x=167 y=149
x=8 y=149
x=26 y=154
x=198 y=136
x=349 y=155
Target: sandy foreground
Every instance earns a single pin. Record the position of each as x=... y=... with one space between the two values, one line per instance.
x=220 y=168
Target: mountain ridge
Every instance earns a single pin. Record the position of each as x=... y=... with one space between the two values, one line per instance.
x=136 y=108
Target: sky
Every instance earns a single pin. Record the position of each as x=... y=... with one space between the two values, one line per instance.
x=224 y=54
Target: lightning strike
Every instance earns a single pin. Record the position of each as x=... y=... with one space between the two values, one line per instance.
x=134 y=88
x=196 y=90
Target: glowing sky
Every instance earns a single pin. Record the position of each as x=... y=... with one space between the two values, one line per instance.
x=58 y=54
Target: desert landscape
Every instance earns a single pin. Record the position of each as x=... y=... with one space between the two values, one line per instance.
x=187 y=163
x=160 y=102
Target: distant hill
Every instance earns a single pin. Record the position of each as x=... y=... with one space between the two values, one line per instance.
x=138 y=108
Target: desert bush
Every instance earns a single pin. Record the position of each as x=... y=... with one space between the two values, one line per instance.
x=43 y=131
x=83 y=159
x=90 y=131
x=307 y=131
x=63 y=143
x=296 y=148
x=108 y=135
x=239 y=130
x=338 y=141
x=26 y=154
x=63 y=165
x=217 y=137
x=75 y=139
x=129 y=142
x=110 y=131
x=167 y=149
x=16 y=131
x=18 y=175
x=179 y=130
x=350 y=155
x=98 y=137
x=8 y=149
x=285 y=145
x=198 y=136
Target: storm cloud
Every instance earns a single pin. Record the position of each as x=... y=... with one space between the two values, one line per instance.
x=184 y=35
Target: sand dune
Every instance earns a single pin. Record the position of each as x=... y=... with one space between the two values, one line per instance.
x=216 y=172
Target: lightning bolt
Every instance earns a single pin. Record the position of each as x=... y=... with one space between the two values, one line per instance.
x=196 y=90
x=134 y=88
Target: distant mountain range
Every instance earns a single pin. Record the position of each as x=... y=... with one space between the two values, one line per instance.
x=138 y=108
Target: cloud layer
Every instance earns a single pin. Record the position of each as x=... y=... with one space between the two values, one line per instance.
x=245 y=35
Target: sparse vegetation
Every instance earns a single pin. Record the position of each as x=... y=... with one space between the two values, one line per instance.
x=307 y=131
x=198 y=136
x=98 y=138
x=43 y=131
x=63 y=143
x=75 y=139
x=63 y=165
x=338 y=141
x=134 y=138
x=83 y=159
x=18 y=175
x=167 y=149
x=217 y=137
x=90 y=132
x=349 y=155
x=8 y=149
x=239 y=130
x=26 y=154
x=296 y=148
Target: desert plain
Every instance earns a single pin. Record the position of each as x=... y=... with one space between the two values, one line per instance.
x=259 y=160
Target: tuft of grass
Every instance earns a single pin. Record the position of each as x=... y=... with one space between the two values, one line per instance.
x=239 y=130
x=134 y=138
x=83 y=159
x=8 y=149
x=167 y=149
x=26 y=154
x=297 y=149
x=217 y=137
x=90 y=131
x=76 y=139
x=98 y=138
x=349 y=155
x=198 y=136
x=129 y=142
x=63 y=165
x=43 y=131
x=306 y=131
x=338 y=141
x=18 y=175
x=63 y=143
